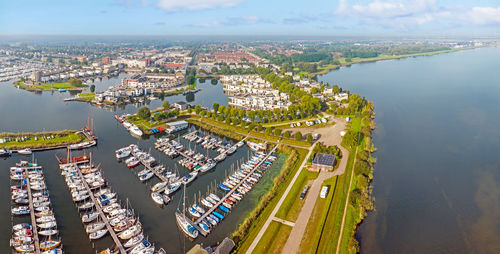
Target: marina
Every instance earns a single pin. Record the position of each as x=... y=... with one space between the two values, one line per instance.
x=42 y=235
x=86 y=181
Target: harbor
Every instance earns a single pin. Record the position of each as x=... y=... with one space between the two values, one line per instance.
x=42 y=235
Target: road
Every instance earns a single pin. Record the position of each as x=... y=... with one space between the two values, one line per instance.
x=277 y=207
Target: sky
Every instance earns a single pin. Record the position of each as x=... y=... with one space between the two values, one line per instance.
x=251 y=17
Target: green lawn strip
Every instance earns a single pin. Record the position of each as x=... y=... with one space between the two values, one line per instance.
x=318 y=218
x=67 y=138
x=258 y=223
x=86 y=97
x=276 y=231
x=146 y=125
x=49 y=87
x=290 y=208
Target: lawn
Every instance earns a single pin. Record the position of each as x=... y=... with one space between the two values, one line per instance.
x=88 y=97
x=49 y=87
x=47 y=139
x=290 y=208
x=276 y=231
x=146 y=125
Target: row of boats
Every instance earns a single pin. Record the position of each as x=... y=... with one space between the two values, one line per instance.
x=132 y=128
x=211 y=210
x=30 y=195
x=102 y=210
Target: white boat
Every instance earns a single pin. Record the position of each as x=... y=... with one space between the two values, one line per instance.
x=48 y=245
x=53 y=251
x=48 y=232
x=25 y=151
x=159 y=186
x=141 y=247
x=207 y=167
x=135 y=130
x=157 y=198
x=88 y=217
x=91 y=228
x=49 y=224
x=172 y=188
x=131 y=232
x=122 y=153
x=98 y=234
x=189 y=177
x=5 y=153
x=166 y=199
x=186 y=227
x=146 y=176
x=134 y=241
x=127 y=124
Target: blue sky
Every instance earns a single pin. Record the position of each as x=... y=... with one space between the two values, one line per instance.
x=251 y=17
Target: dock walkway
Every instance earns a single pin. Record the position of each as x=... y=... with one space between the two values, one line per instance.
x=32 y=210
x=160 y=176
x=228 y=194
x=110 y=229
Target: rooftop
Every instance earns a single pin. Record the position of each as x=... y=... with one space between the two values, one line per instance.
x=324 y=159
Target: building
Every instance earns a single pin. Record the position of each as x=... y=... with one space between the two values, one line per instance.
x=225 y=247
x=176 y=126
x=322 y=162
x=106 y=60
x=35 y=76
x=181 y=105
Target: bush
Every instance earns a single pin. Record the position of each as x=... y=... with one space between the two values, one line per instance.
x=286 y=134
x=309 y=138
x=297 y=136
x=144 y=113
x=277 y=132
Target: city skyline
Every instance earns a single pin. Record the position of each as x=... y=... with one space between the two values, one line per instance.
x=243 y=17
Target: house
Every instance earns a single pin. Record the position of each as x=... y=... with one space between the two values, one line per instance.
x=176 y=126
x=181 y=105
x=322 y=162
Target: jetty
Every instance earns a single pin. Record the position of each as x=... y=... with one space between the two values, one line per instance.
x=228 y=194
x=32 y=209
x=104 y=219
x=149 y=167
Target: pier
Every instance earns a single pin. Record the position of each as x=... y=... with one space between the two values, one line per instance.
x=36 y=239
x=153 y=169
x=110 y=229
x=228 y=194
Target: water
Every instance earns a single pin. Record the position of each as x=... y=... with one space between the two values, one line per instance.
x=437 y=179
x=27 y=111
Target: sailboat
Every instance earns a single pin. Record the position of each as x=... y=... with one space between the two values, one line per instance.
x=182 y=220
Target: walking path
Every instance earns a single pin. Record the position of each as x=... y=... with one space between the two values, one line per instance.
x=277 y=207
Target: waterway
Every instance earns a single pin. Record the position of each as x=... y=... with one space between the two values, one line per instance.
x=437 y=179
x=27 y=111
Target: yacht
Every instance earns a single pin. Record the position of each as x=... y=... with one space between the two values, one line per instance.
x=135 y=130
x=25 y=151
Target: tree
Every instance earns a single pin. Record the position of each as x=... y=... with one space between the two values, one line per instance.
x=309 y=138
x=144 y=113
x=277 y=132
x=92 y=88
x=268 y=131
x=297 y=136
x=166 y=105
x=190 y=79
x=286 y=134
x=214 y=70
x=216 y=106
x=214 y=82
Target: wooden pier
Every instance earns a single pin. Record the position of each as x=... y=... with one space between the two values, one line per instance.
x=32 y=210
x=110 y=229
x=228 y=194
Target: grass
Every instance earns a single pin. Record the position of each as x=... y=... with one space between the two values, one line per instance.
x=88 y=97
x=276 y=231
x=60 y=138
x=290 y=208
x=261 y=219
x=50 y=87
x=146 y=125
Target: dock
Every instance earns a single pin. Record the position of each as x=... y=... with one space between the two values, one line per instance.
x=160 y=176
x=110 y=229
x=32 y=210
x=228 y=194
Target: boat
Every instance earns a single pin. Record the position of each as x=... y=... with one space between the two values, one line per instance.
x=50 y=244
x=183 y=222
x=193 y=212
x=21 y=210
x=157 y=198
x=25 y=248
x=91 y=228
x=25 y=151
x=5 y=153
x=88 y=217
x=49 y=224
x=208 y=166
x=223 y=208
x=220 y=216
x=48 y=232
x=45 y=219
x=199 y=208
x=142 y=247
x=98 y=234
x=224 y=187
x=134 y=241
x=159 y=186
x=132 y=162
x=166 y=198
x=189 y=177
x=204 y=227
x=22 y=226
x=124 y=224
x=171 y=188
x=146 y=176
x=131 y=232
x=134 y=130
x=123 y=153
x=53 y=251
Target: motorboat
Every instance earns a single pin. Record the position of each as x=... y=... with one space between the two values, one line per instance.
x=134 y=130
x=49 y=245
x=94 y=227
x=146 y=176
x=88 y=217
x=131 y=232
x=5 y=153
x=25 y=151
x=124 y=224
x=193 y=212
x=189 y=177
x=208 y=166
x=157 y=198
x=53 y=251
x=123 y=153
x=134 y=241
x=49 y=224
x=132 y=162
x=21 y=210
x=144 y=245
x=48 y=232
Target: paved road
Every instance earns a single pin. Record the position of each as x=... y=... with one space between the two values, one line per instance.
x=277 y=207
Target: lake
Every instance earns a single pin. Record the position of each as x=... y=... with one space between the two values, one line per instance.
x=437 y=179
x=26 y=111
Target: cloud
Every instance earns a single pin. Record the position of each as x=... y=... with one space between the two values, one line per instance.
x=484 y=15
x=177 y=5
x=414 y=13
x=234 y=21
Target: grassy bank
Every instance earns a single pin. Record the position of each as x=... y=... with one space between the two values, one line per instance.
x=290 y=208
x=249 y=229
x=40 y=139
x=279 y=233
x=50 y=87
x=86 y=97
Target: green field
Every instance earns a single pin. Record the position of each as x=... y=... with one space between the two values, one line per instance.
x=50 y=87
x=88 y=97
x=279 y=233
x=46 y=139
x=290 y=208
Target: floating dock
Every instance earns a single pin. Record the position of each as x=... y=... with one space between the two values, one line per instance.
x=32 y=210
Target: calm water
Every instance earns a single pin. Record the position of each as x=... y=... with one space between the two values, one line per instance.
x=437 y=180
x=21 y=111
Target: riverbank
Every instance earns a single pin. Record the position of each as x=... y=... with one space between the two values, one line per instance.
x=51 y=86
x=41 y=140
x=327 y=68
